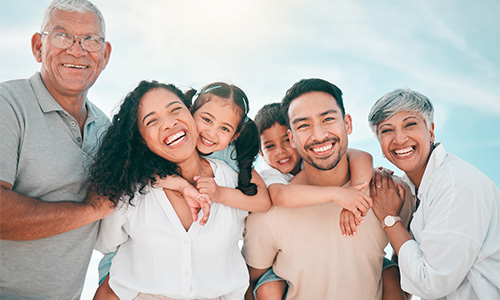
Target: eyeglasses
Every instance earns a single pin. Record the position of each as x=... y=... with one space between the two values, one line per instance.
x=64 y=40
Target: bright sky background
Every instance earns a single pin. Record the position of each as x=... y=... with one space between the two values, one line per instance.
x=448 y=50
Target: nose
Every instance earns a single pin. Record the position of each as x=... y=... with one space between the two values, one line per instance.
x=168 y=122
x=280 y=149
x=400 y=137
x=318 y=133
x=76 y=49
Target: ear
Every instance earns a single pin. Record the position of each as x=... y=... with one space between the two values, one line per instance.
x=36 y=46
x=290 y=137
x=235 y=137
x=431 y=133
x=348 y=123
x=107 y=54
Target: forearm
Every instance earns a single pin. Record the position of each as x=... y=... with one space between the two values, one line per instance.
x=237 y=199
x=398 y=235
x=25 y=218
x=296 y=195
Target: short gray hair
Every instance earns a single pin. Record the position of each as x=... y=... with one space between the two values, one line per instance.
x=397 y=101
x=80 y=6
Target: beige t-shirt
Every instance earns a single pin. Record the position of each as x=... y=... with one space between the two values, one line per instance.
x=305 y=247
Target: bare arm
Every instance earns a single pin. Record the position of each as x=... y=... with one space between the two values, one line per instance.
x=23 y=218
x=234 y=197
x=361 y=167
x=255 y=274
x=297 y=195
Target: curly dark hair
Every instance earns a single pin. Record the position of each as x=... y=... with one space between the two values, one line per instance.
x=247 y=144
x=124 y=164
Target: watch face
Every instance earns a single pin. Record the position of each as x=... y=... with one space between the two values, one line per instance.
x=389 y=221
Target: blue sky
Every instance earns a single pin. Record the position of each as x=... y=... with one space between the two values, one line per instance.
x=448 y=50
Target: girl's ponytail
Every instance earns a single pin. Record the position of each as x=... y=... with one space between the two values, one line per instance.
x=247 y=148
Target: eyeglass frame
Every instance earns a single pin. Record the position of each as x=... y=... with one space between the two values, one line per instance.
x=75 y=37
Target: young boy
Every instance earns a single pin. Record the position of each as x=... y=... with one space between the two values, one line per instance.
x=283 y=162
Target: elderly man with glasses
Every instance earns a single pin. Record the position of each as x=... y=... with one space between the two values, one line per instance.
x=50 y=132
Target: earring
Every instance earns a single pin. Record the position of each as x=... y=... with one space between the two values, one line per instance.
x=383 y=155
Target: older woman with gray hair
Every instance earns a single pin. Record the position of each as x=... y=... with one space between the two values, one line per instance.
x=451 y=249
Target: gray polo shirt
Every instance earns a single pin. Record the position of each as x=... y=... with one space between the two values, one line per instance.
x=44 y=156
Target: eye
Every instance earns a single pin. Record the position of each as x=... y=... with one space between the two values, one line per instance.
x=385 y=130
x=207 y=120
x=329 y=119
x=302 y=126
x=269 y=147
x=286 y=141
x=176 y=109
x=411 y=124
x=224 y=128
x=151 y=121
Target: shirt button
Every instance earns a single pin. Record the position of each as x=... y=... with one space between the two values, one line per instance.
x=73 y=123
x=79 y=139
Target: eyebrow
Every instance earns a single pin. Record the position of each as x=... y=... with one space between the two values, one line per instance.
x=166 y=106
x=330 y=111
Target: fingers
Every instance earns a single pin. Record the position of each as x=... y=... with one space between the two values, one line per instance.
x=206 y=213
x=401 y=191
x=348 y=223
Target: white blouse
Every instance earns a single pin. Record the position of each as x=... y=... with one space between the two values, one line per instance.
x=156 y=255
x=456 y=251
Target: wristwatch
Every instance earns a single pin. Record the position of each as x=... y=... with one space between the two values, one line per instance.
x=390 y=221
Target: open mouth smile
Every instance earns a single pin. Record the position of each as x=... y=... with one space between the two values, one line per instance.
x=206 y=142
x=322 y=149
x=284 y=161
x=72 y=66
x=405 y=152
x=176 y=138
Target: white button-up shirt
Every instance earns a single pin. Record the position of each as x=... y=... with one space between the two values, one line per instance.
x=156 y=255
x=456 y=251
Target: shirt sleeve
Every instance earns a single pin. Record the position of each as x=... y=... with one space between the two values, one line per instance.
x=271 y=176
x=10 y=127
x=259 y=247
x=112 y=229
x=449 y=242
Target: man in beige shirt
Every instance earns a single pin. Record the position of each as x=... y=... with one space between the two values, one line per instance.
x=304 y=245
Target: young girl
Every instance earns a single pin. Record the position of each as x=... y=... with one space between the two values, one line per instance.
x=225 y=133
x=152 y=228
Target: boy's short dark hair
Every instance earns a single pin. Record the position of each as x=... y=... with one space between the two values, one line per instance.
x=268 y=115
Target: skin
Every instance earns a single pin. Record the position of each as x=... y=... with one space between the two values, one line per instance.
x=68 y=74
x=406 y=141
x=169 y=130
x=276 y=150
x=25 y=218
x=217 y=121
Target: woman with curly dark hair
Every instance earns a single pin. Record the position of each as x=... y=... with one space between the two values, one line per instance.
x=152 y=229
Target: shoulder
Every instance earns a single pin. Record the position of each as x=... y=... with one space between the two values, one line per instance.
x=15 y=90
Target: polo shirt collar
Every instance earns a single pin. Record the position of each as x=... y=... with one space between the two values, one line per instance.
x=48 y=104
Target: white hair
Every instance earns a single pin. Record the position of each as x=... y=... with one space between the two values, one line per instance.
x=80 y=6
x=397 y=101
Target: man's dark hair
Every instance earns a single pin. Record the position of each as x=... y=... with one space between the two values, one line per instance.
x=305 y=86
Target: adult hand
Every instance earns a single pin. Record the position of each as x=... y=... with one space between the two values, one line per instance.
x=387 y=197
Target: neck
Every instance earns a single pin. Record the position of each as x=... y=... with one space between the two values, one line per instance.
x=194 y=166
x=337 y=176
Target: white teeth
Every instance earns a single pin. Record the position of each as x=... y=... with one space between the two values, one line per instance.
x=404 y=152
x=284 y=161
x=207 y=141
x=323 y=149
x=75 y=66
x=174 y=139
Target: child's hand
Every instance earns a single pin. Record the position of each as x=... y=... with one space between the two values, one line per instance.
x=382 y=169
x=355 y=200
x=348 y=223
x=195 y=201
x=207 y=186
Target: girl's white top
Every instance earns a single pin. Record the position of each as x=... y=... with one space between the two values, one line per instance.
x=156 y=255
